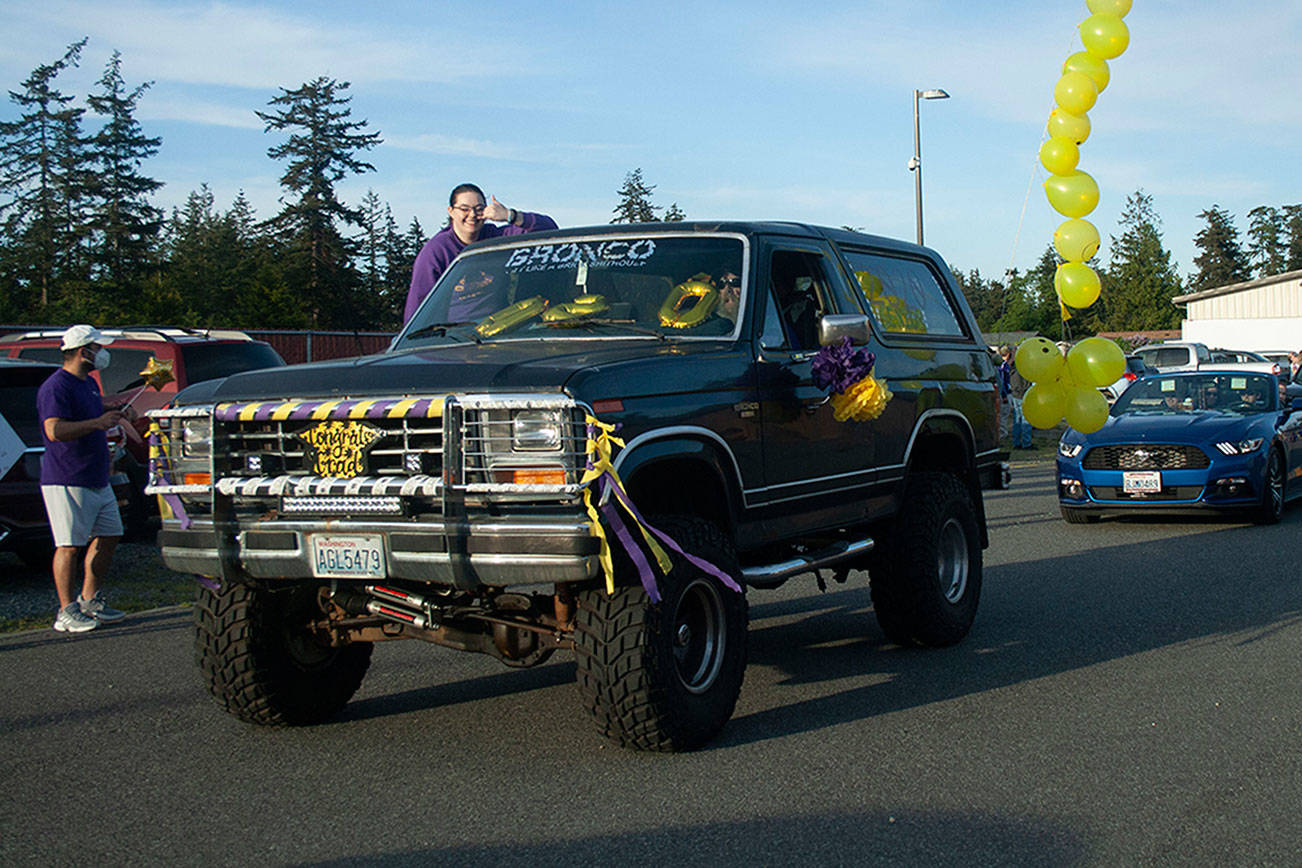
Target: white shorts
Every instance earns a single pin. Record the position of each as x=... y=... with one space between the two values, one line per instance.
x=79 y=514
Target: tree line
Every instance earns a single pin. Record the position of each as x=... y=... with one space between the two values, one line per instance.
x=81 y=240
x=1139 y=279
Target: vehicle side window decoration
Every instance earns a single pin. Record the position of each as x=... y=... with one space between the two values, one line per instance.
x=799 y=284
x=905 y=296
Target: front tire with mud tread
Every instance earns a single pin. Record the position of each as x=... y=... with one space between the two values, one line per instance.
x=261 y=663
x=926 y=581
x=665 y=676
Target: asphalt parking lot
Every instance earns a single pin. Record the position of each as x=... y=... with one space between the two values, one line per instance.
x=1129 y=695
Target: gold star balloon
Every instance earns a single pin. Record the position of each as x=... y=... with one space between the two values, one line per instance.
x=157 y=374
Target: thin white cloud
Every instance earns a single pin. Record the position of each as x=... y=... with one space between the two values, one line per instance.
x=242 y=45
x=198 y=111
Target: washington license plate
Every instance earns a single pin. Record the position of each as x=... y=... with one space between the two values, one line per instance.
x=1142 y=482
x=347 y=557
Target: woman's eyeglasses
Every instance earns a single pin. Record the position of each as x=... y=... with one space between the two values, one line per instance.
x=467 y=209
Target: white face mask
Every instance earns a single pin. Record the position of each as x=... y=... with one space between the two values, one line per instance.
x=101 y=359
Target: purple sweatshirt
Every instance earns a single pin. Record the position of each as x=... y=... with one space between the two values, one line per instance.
x=439 y=251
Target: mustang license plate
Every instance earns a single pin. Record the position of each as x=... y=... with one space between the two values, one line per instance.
x=347 y=557
x=1142 y=482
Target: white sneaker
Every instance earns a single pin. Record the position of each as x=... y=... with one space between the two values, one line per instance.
x=96 y=608
x=72 y=620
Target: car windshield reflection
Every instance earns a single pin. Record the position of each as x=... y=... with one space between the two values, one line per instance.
x=1240 y=394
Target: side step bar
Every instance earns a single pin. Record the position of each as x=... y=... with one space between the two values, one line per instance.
x=772 y=575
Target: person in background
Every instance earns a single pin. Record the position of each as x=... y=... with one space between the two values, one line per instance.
x=469 y=216
x=1017 y=387
x=1005 y=390
x=81 y=505
x=1295 y=367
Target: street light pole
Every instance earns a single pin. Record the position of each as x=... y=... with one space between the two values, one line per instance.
x=915 y=164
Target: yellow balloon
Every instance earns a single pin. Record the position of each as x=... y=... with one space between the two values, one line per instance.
x=1096 y=361
x=1066 y=381
x=1086 y=409
x=1105 y=36
x=1075 y=92
x=1038 y=360
x=1044 y=404
x=1118 y=8
x=1076 y=240
x=1095 y=67
x=1069 y=126
x=1077 y=284
x=1072 y=195
x=1059 y=155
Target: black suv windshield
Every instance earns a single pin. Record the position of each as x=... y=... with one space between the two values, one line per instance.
x=648 y=286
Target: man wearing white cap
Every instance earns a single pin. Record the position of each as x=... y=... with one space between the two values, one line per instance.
x=75 y=479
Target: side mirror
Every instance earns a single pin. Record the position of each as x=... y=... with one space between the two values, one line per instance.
x=834 y=326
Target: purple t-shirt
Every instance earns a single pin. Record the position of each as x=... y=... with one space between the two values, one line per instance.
x=439 y=251
x=84 y=461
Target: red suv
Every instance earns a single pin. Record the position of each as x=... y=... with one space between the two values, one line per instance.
x=196 y=355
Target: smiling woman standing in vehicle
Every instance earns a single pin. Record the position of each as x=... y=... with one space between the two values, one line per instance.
x=469 y=213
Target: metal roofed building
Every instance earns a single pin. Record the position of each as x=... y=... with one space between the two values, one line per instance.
x=1261 y=314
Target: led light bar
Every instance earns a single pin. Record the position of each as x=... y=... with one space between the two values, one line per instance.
x=342 y=504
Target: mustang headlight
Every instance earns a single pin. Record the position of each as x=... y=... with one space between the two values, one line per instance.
x=1242 y=447
x=537 y=431
x=1070 y=450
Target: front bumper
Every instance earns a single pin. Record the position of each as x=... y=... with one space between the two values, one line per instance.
x=465 y=554
x=1226 y=485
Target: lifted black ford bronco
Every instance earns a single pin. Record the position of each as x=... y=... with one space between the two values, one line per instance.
x=437 y=491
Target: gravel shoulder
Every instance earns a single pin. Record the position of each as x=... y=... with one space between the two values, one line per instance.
x=137 y=581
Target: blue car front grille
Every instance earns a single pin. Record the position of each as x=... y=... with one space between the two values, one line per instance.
x=1168 y=492
x=1146 y=456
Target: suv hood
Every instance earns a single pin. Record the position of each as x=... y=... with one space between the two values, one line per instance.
x=581 y=368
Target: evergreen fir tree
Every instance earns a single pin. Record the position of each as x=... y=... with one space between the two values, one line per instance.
x=1292 y=237
x=42 y=189
x=1221 y=260
x=126 y=225
x=674 y=214
x=320 y=151
x=1266 y=251
x=634 y=200
x=1140 y=280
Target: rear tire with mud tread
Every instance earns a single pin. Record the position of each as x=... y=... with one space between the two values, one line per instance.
x=262 y=665
x=665 y=676
x=926 y=578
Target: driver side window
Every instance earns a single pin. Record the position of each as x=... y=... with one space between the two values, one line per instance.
x=798 y=280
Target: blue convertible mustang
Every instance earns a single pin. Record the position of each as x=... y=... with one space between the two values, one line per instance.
x=1195 y=440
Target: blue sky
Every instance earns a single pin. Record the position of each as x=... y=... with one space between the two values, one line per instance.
x=757 y=110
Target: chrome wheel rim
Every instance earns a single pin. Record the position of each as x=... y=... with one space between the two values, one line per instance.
x=699 y=636
x=952 y=560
